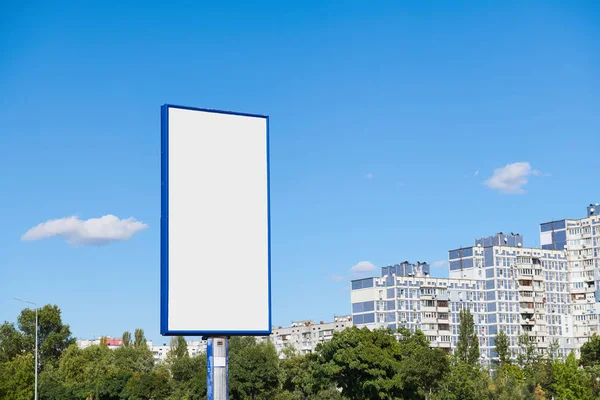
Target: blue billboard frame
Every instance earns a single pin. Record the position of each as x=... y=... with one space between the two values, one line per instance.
x=164 y=229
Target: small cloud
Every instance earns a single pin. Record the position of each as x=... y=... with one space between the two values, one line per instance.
x=91 y=232
x=337 y=278
x=476 y=173
x=511 y=178
x=362 y=268
x=370 y=176
x=439 y=263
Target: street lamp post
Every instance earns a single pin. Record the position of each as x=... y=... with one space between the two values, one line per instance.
x=36 y=345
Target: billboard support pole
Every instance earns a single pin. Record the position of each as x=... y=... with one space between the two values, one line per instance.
x=217 y=358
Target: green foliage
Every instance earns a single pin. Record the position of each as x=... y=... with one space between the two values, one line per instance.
x=178 y=348
x=355 y=364
x=571 y=383
x=17 y=377
x=363 y=363
x=253 y=369
x=502 y=348
x=126 y=339
x=467 y=347
x=590 y=352
x=465 y=382
x=11 y=342
x=53 y=336
x=140 y=340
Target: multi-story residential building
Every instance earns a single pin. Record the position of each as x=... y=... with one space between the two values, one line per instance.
x=304 y=336
x=407 y=296
x=499 y=280
x=579 y=239
x=525 y=291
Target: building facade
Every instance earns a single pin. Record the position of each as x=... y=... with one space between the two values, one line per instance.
x=579 y=239
x=304 y=336
x=506 y=287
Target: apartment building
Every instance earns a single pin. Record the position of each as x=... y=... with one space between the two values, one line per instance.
x=525 y=290
x=304 y=336
x=505 y=285
x=579 y=239
x=407 y=296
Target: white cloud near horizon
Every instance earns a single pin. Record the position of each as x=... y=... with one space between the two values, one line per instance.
x=439 y=263
x=90 y=232
x=362 y=268
x=511 y=178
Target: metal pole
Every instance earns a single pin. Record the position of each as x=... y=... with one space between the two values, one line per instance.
x=36 y=345
x=217 y=352
x=36 y=354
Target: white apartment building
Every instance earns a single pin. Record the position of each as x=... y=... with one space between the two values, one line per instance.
x=579 y=239
x=501 y=282
x=304 y=336
x=407 y=296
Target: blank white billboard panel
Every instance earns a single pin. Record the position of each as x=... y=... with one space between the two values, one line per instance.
x=215 y=243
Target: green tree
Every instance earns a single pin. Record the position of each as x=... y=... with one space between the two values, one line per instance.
x=189 y=377
x=502 y=348
x=467 y=347
x=590 y=352
x=253 y=369
x=54 y=337
x=139 y=340
x=570 y=382
x=134 y=359
x=155 y=385
x=17 y=378
x=422 y=369
x=299 y=376
x=126 y=339
x=465 y=382
x=178 y=347
x=364 y=364
x=10 y=342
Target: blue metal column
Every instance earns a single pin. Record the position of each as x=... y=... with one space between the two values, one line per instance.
x=217 y=352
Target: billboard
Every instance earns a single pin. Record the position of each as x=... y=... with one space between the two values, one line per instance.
x=215 y=223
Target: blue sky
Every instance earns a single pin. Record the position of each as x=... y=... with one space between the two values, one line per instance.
x=386 y=121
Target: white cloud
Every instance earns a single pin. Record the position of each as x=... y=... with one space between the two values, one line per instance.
x=511 y=178
x=370 y=176
x=439 y=263
x=91 y=232
x=362 y=268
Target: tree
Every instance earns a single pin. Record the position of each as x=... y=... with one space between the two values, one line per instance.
x=467 y=347
x=570 y=382
x=139 y=340
x=17 y=378
x=10 y=342
x=422 y=368
x=590 y=352
x=54 y=337
x=465 y=382
x=364 y=364
x=178 y=348
x=502 y=348
x=253 y=369
x=126 y=339
x=299 y=375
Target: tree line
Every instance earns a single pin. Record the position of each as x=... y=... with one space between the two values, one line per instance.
x=357 y=364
